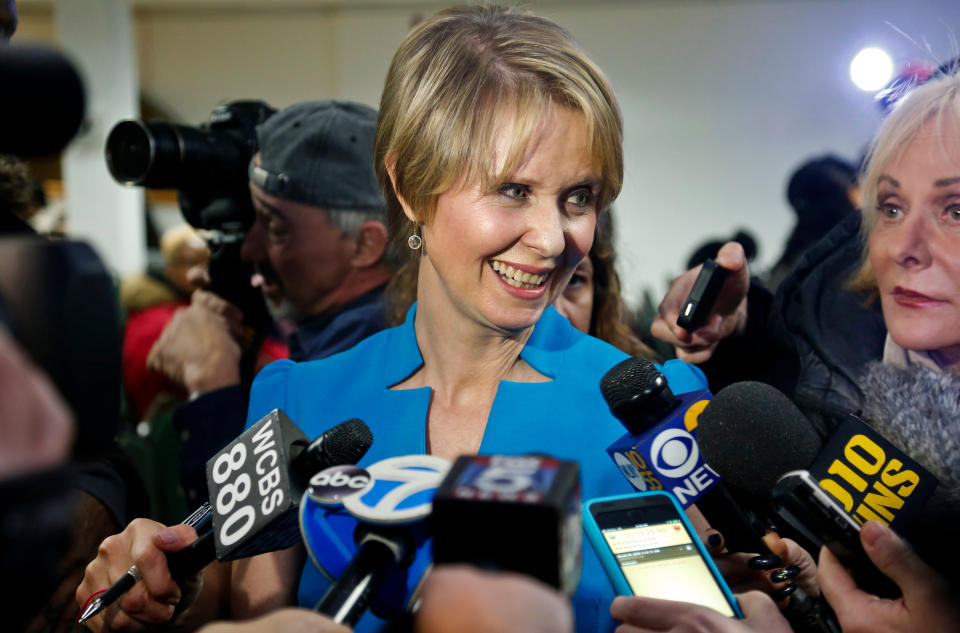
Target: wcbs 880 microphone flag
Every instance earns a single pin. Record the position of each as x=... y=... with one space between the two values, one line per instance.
x=257 y=480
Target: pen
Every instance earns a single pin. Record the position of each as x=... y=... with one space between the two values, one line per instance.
x=197 y=520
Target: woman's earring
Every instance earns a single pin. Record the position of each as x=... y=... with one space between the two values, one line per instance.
x=415 y=241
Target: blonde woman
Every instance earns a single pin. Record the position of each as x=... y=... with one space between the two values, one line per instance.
x=498 y=144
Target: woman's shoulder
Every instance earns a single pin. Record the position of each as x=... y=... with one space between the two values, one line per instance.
x=290 y=385
x=587 y=356
x=556 y=347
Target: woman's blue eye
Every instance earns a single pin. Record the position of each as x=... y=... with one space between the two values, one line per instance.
x=580 y=198
x=889 y=211
x=513 y=190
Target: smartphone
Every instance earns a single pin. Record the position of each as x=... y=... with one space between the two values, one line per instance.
x=648 y=548
x=696 y=308
x=800 y=501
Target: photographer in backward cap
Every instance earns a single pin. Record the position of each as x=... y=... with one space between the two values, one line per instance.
x=317 y=245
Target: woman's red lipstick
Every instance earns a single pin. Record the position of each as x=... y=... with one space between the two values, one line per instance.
x=911 y=299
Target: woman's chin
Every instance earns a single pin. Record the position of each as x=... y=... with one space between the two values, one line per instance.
x=927 y=340
x=516 y=320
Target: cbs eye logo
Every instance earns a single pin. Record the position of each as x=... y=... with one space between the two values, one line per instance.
x=674 y=453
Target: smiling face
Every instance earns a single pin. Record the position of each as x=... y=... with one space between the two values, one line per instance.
x=915 y=245
x=500 y=257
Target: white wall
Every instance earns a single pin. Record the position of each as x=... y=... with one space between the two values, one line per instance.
x=721 y=98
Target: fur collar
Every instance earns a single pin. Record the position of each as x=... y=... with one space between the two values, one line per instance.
x=918 y=409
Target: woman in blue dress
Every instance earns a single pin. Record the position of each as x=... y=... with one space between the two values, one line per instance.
x=499 y=143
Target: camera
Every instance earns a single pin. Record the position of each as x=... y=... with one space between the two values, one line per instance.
x=202 y=163
x=207 y=165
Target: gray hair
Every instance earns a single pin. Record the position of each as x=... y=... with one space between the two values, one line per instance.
x=350 y=221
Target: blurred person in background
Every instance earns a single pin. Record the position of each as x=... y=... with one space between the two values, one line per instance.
x=822 y=192
x=150 y=302
x=16 y=196
x=592 y=301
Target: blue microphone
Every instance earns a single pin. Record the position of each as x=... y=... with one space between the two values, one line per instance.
x=659 y=450
x=366 y=531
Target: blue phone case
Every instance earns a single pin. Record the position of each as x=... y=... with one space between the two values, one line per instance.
x=609 y=562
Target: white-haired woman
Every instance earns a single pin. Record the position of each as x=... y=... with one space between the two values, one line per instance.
x=885 y=344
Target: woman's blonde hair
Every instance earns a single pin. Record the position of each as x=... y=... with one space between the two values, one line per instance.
x=936 y=102
x=455 y=80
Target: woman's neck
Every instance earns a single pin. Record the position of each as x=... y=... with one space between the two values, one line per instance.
x=463 y=358
x=948 y=358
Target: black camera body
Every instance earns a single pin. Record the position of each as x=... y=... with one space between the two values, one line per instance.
x=203 y=163
x=207 y=165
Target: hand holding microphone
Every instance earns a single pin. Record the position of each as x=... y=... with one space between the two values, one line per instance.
x=255 y=486
x=926 y=604
x=464 y=599
x=155 y=598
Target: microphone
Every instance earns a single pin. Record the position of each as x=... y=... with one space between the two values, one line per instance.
x=257 y=480
x=751 y=434
x=368 y=531
x=660 y=450
x=483 y=500
x=43 y=100
x=757 y=439
x=255 y=484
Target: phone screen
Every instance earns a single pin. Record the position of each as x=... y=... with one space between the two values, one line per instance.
x=658 y=556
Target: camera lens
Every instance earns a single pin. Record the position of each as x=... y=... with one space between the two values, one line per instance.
x=129 y=152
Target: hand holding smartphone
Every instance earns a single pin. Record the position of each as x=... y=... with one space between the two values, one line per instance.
x=648 y=548
x=696 y=308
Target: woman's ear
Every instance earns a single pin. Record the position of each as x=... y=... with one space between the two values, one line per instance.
x=390 y=163
x=369 y=245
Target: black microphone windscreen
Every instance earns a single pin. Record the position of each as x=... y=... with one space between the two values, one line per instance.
x=637 y=394
x=41 y=100
x=751 y=433
x=345 y=443
x=622 y=382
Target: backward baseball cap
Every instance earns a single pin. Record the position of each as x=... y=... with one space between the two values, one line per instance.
x=320 y=153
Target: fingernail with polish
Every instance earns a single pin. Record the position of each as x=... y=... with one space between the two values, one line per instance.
x=167 y=537
x=765 y=562
x=783 y=593
x=714 y=540
x=785 y=574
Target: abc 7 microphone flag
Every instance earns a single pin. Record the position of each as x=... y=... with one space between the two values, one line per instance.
x=392 y=492
x=474 y=507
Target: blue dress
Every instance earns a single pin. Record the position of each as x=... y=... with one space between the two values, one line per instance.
x=566 y=418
